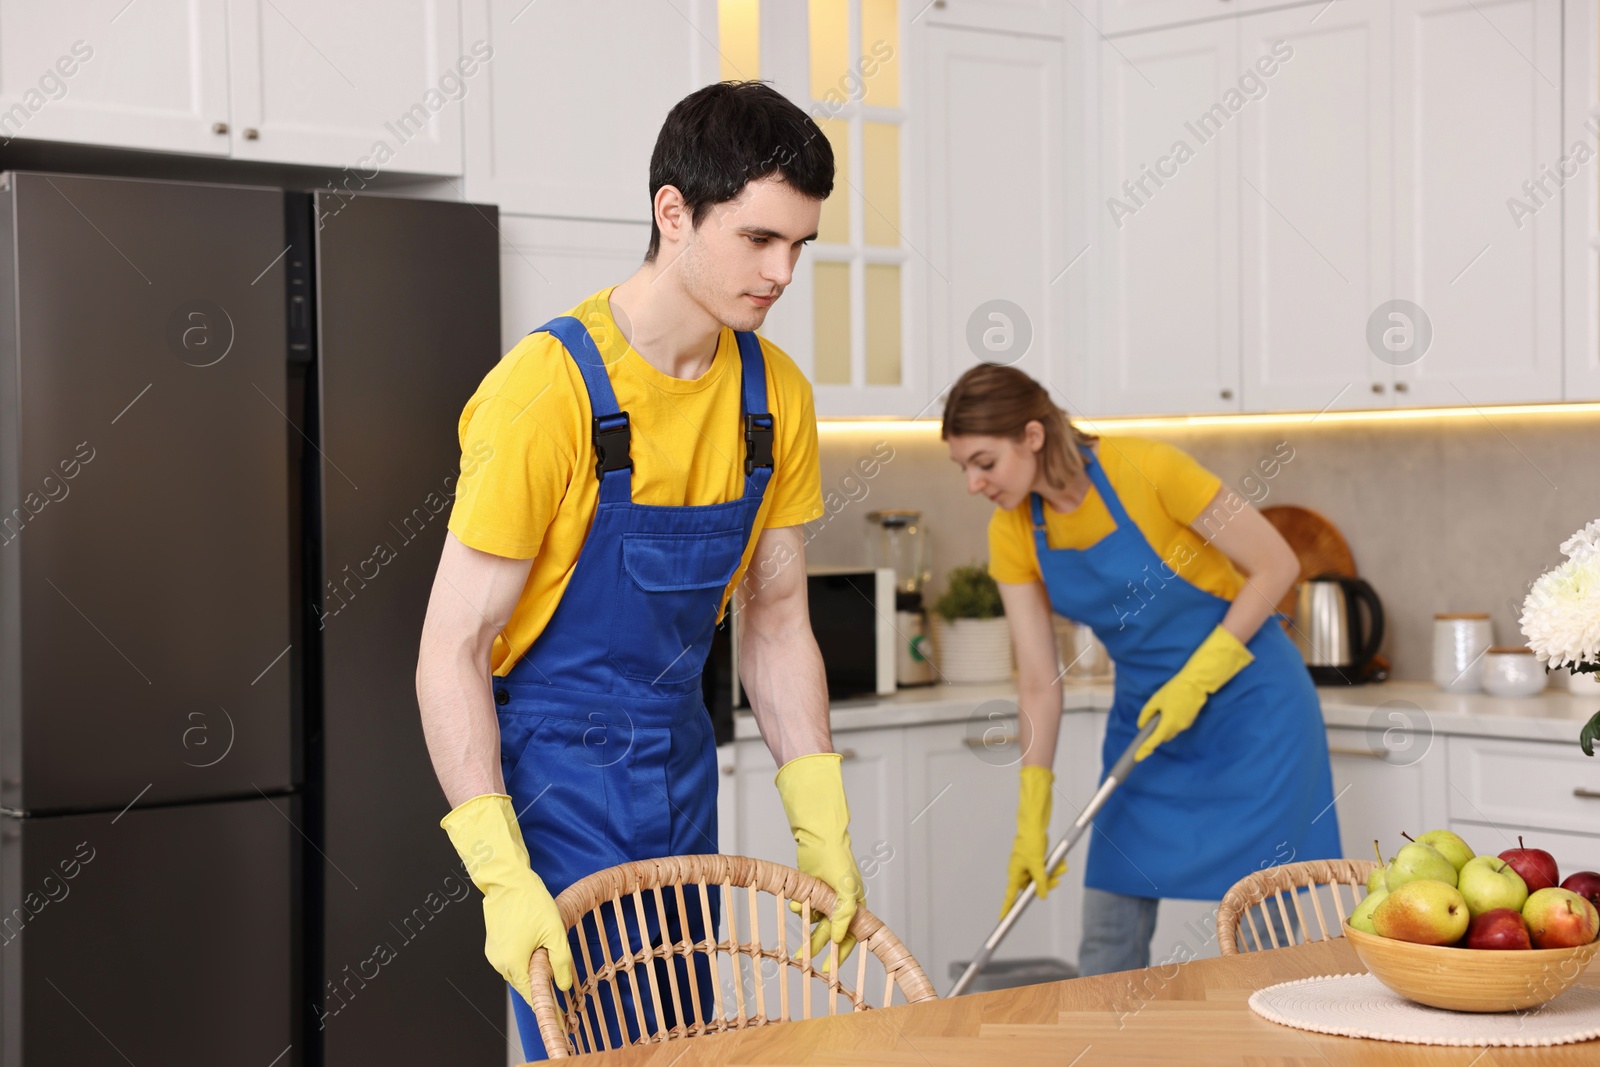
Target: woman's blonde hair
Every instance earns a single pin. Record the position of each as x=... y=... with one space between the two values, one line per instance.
x=994 y=401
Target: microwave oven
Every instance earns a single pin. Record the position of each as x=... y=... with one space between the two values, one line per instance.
x=852 y=617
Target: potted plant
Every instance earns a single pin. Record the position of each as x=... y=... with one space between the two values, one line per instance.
x=971 y=639
x=1561 y=616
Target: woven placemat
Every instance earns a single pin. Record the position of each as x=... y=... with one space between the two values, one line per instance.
x=1358 y=1005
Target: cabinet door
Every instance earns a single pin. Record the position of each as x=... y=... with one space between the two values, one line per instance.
x=873 y=771
x=1314 y=207
x=1581 y=245
x=575 y=97
x=1378 y=793
x=961 y=798
x=155 y=76
x=548 y=265
x=996 y=202
x=330 y=85
x=1477 y=115
x=1168 y=284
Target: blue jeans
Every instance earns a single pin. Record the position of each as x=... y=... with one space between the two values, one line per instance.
x=1117 y=930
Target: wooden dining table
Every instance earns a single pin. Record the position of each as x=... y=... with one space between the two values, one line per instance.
x=1190 y=1013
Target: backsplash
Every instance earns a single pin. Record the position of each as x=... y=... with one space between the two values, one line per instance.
x=1446 y=514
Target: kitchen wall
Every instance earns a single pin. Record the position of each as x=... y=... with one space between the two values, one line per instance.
x=1441 y=514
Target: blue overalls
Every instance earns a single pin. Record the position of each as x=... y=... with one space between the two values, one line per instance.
x=1248 y=785
x=605 y=741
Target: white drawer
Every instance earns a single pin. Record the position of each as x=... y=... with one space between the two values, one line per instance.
x=1573 y=852
x=1522 y=785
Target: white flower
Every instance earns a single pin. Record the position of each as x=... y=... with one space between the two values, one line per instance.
x=1583 y=544
x=1561 y=615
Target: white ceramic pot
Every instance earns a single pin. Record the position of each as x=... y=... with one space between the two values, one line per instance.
x=1459 y=642
x=1584 y=685
x=1512 y=672
x=970 y=651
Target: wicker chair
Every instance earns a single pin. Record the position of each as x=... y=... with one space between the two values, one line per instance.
x=683 y=964
x=1315 y=880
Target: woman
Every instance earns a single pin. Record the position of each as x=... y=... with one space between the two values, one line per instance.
x=1178 y=578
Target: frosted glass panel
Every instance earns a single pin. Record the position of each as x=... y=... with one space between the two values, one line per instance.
x=831 y=310
x=739 y=39
x=830 y=48
x=883 y=324
x=880 y=52
x=835 y=225
x=880 y=168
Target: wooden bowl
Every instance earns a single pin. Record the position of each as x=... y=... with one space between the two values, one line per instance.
x=1471 y=979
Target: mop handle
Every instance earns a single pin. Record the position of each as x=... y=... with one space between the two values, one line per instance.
x=1117 y=774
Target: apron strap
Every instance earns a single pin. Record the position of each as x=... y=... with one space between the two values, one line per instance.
x=759 y=425
x=610 y=428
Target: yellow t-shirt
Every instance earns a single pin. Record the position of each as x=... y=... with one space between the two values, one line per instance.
x=528 y=486
x=1162 y=489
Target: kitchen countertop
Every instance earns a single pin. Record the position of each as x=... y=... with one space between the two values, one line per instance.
x=1554 y=715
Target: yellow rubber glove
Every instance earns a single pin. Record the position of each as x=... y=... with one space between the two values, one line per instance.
x=1219 y=657
x=519 y=915
x=812 y=790
x=1032 y=844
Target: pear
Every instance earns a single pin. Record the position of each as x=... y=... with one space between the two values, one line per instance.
x=1361 y=918
x=1377 y=879
x=1450 y=846
x=1425 y=912
x=1417 y=862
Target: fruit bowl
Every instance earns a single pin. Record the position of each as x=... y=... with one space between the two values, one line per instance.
x=1467 y=979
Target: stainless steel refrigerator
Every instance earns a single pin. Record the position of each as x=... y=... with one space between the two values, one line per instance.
x=227 y=436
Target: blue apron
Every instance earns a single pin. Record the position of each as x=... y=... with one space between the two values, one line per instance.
x=1248 y=785
x=605 y=741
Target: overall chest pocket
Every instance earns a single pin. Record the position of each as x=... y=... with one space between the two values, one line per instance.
x=668 y=597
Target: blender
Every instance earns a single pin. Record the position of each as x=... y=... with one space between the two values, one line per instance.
x=899 y=541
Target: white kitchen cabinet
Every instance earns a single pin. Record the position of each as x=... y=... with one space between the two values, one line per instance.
x=548 y=265
x=1477 y=114
x=728 y=798
x=996 y=204
x=1315 y=179
x=1165 y=334
x=1573 y=852
x=1581 y=203
x=575 y=98
x=332 y=85
x=1008 y=16
x=1521 y=785
x=1383 y=789
x=151 y=76
x=873 y=771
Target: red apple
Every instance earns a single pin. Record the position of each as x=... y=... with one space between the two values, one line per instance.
x=1560 y=918
x=1586 y=884
x=1537 y=867
x=1498 y=928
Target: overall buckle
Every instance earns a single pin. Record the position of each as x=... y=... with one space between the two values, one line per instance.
x=757 y=442
x=611 y=438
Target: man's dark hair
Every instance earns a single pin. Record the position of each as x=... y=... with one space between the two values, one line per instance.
x=717 y=139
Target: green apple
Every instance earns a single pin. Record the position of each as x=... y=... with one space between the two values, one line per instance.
x=1488 y=882
x=1450 y=846
x=1417 y=862
x=1425 y=912
x=1361 y=918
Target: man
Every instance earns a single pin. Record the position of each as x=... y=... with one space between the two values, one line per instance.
x=634 y=460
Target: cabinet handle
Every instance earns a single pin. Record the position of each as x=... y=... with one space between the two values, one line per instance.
x=1377 y=387
x=1227 y=394
x=978 y=742
x=846 y=754
x=1366 y=753
x=730 y=770
x=1401 y=387
x=219 y=127
x=1587 y=794
x=251 y=133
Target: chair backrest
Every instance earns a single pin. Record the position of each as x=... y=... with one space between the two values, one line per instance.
x=1317 y=883
x=714 y=955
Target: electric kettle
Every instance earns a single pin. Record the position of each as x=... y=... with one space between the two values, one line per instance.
x=1336 y=643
